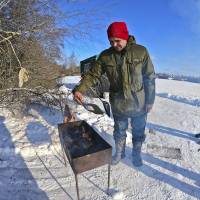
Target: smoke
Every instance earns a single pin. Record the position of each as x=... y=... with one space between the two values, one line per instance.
x=189 y=10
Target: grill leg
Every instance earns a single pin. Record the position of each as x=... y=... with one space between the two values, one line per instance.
x=108 y=179
x=64 y=157
x=77 y=189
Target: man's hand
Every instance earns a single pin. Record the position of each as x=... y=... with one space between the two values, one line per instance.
x=78 y=97
x=148 y=107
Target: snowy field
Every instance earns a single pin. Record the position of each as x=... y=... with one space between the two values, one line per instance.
x=32 y=166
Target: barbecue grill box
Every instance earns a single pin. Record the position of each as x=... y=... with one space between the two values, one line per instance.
x=84 y=148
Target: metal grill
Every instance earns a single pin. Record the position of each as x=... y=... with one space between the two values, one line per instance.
x=84 y=148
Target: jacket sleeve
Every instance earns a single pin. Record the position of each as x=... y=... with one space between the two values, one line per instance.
x=90 y=78
x=148 y=79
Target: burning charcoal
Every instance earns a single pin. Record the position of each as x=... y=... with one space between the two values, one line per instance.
x=87 y=136
x=80 y=140
x=86 y=143
x=83 y=130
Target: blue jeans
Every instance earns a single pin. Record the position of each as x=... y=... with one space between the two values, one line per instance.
x=138 y=124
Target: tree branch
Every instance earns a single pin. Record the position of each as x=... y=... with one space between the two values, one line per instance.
x=8 y=40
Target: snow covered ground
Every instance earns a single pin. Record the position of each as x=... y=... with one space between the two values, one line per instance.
x=32 y=166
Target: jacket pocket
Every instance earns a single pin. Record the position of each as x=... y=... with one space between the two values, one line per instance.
x=135 y=70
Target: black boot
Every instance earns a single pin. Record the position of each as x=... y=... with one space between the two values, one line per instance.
x=118 y=154
x=136 y=154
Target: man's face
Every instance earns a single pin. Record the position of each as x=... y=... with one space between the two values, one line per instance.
x=117 y=43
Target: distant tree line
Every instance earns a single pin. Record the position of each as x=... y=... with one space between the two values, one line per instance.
x=71 y=65
x=194 y=79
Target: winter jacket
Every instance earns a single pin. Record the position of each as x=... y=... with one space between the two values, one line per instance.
x=131 y=75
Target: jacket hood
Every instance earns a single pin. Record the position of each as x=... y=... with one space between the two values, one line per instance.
x=131 y=40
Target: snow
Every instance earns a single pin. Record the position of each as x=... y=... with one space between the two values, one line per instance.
x=32 y=165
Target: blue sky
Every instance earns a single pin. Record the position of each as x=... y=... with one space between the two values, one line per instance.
x=169 y=29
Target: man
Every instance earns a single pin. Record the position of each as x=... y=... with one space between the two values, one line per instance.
x=132 y=87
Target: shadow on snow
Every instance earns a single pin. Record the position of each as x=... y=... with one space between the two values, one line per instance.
x=150 y=171
x=172 y=131
x=17 y=183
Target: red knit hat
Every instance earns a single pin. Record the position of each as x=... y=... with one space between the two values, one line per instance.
x=118 y=30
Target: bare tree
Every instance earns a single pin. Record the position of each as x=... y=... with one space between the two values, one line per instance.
x=72 y=61
x=31 y=37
